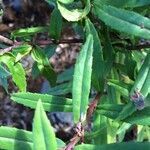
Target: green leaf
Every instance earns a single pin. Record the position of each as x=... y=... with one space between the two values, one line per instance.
x=66 y=1
x=61 y=89
x=67 y=75
x=74 y=14
x=116 y=146
x=126 y=111
x=43 y=133
x=98 y=63
x=16 y=69
x=141 y=117
x=142 y=78
x=140 y=83
x=55 y=24
x=99 y=124
x=50 y=103
x=122 y=131
x=146 y=87
x=60 y=143
x=44 y=65
x=28 y=31
x=123 y=20
x=124 y=3
x=15 y=139
x=4 y=83
x=112 y=111
x=82 y=80
x=119 y=86
x=3 y=72
x=21 y=51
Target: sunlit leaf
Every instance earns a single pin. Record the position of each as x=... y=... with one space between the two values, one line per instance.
x=43 y=133
x=82 y=80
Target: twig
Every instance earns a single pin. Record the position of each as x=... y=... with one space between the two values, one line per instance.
x=92 y=107
x=6 y=40
x=6 y=50
x=77 y=137
x=133 y=47
x=80 y=126
x=62 y=41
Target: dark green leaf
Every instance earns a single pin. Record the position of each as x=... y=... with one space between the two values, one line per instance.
x=55 y=24
x=44 y=65
x=98 y=63
x=61 y=89
x=66 y=75
x=119 y=86
x=117 y=146
x=3 y=72
x=123 y=20
x=124 y=3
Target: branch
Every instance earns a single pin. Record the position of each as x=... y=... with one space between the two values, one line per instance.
x=76 y=40
x=80 y=126
x=133 y=47
x=62 y=41
x=92 y=107
x=6 y=40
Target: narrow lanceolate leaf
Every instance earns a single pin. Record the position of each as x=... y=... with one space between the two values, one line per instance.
x=43 y=134
x=67 y=75
x=140 y=117
x=55 y=24
x=15 y=139
x=98 y=63
x=16 y=69
x=112 y=111
x=124 y=3
x=3 y=72
x=119 y=86
x=74 y=14
x=82 y=80
x=61 y=89
x=143 y=76
x=29 y=31
x=123 y=20
x=117 y=146
x=141 y=84
x=50 y=103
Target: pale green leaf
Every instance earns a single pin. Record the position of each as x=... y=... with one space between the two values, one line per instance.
x=82 y=80
x=74 y=14
x=43 y=133
x=16 y=69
